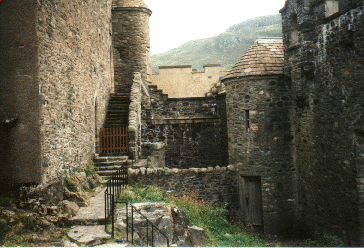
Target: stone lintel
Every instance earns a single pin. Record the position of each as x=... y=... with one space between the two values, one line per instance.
x=184 y=121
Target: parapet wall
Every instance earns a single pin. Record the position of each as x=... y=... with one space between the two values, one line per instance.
x=213 y=184
x=181 y=81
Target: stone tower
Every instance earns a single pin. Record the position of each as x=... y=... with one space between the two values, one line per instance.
x=258 y=105
x=131 y=42
x=323 y=44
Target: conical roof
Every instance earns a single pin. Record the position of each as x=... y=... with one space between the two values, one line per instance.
x=264 y=57
x=129 y=4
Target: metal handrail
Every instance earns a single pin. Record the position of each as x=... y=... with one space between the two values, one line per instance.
x=153 y=227
x=113 y=188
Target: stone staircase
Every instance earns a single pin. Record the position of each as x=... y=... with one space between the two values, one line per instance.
x=117 y=114
x=108 y=165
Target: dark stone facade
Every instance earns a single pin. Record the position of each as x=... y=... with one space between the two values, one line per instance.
x=193 y=134
x=258 y=110
x=324 y=58
x=19 y=98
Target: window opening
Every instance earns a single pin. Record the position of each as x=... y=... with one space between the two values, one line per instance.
x=247 y=118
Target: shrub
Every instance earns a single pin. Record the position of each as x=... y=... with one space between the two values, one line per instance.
x=90 y=168
x=4 y=202
x=28 y=223
x=324 y=240
x=3 y=229
x=70 y=184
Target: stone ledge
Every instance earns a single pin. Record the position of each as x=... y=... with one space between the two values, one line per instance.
x=147 y=171
x=184 y=121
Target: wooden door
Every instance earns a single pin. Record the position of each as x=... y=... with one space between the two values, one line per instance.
x=250 y=193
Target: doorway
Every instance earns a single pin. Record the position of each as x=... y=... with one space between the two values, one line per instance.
x=250 y=194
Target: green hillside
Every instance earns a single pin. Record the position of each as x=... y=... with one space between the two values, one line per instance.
x=225 y=49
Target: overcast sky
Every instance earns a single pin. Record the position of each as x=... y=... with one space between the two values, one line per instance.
x=175 y=22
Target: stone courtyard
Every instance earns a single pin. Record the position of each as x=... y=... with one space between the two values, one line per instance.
x=279 y=137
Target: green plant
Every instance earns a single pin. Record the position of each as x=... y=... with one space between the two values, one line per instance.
x=70 y=184
x=5 y=202
x=3 y=229
x=28 y=223
x=76 y=169
x=92 y=185
x=90 y=168
x=324 y=240
x=199 y=212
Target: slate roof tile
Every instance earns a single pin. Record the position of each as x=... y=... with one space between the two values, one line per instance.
x=265 y=57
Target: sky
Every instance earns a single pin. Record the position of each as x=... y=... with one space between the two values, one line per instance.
x=175 y=22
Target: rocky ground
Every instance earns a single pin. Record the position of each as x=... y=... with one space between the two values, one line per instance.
x=83 y=226
x=78 y=220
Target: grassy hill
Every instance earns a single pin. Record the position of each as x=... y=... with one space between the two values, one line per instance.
x=225 y=49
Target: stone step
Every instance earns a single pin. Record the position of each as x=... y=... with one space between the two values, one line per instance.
x=120 y=94
x=118 y=112
x=89 y=235
x=119 y=106
x=119 y=99
x=94 y=214
x=116 y=123
x=111 y=125
x=110 y=158
x=106 y=173
x=105 y=168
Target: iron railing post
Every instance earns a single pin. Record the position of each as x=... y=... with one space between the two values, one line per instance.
x=147 y=232
x=132 y=225
x=152 y=237
x=112 y=218
x=127 y=222
x=105 y=210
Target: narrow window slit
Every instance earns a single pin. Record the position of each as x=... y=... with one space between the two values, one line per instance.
x=247 y=120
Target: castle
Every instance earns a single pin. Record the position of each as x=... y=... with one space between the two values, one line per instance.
x=279 y=138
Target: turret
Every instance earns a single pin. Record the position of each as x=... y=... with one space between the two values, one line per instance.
x=131 y=42
x=258 y=104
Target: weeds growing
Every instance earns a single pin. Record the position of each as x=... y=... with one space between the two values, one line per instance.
x=218 y=230
x=91 y=169
x=324 y=240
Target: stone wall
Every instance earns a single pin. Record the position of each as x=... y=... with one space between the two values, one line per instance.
x=56 y=81
x=182 y=81
x=131 y=42
x=74 y=80
x=134 y=129
x=19 y=95
x=260 y=143
x=213 y=184
x=193 y=135
x=325 y=64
